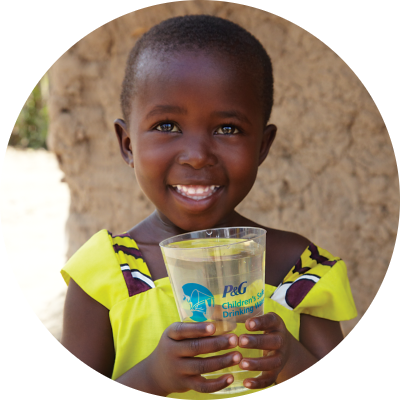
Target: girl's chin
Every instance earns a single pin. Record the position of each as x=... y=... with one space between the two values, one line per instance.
x=192 y=225
x=183 y=214
x=184 y=223
x=177 y=223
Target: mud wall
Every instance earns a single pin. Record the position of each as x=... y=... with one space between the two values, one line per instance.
x=331 y=174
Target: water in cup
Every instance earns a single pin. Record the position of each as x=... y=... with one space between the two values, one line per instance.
x=219 y=278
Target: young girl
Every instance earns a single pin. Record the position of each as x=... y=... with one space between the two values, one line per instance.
x=196 y=100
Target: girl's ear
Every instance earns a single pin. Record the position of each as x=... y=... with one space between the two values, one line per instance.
x=124 y=140
x=267 y=140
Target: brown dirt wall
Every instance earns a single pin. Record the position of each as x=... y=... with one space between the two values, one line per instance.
x=331 y=174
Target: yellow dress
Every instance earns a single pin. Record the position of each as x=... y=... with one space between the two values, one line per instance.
x=111 y=270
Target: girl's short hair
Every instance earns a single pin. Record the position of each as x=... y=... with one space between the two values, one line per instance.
x=207 y=33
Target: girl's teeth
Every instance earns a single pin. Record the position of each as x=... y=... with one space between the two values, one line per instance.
x=196 y=193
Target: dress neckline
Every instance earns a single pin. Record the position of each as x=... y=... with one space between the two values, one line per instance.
x=295 y=268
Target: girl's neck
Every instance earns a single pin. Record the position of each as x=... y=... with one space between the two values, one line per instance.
x=160 y=221
x=157 y=227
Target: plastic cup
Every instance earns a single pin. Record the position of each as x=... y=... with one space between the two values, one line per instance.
x=218 y=275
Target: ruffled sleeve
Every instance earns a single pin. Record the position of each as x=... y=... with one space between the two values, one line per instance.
x=95 y=268
x=317 y=285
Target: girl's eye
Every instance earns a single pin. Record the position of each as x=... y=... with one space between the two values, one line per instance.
x=227 y=130
x=171 y=127
x=167 y=127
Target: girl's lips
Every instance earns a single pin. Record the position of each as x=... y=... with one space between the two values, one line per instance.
x=196 y=203
x=196 y=192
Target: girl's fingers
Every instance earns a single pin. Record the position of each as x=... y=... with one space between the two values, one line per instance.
x=267 y=323
x=205 y=345
x=272 y=363
x=203 y=385
x=200 y=365
x=264 y=380
x=187 y=330
x=270 y=341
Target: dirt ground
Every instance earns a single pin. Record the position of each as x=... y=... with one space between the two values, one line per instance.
x=34 y=209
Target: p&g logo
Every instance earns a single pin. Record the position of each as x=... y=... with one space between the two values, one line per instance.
x=234 y=291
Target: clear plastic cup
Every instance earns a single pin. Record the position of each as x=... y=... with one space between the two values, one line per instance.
x=218 y=275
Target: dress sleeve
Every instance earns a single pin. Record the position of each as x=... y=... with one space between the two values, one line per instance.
x=331 y=296
x=95 y=268
x=317 y=285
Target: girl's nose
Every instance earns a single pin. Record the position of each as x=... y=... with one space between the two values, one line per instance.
x=198 y=153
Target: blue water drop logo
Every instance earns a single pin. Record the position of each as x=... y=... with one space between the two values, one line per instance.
x=199 y=297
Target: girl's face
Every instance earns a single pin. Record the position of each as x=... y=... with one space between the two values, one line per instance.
x=196 y=136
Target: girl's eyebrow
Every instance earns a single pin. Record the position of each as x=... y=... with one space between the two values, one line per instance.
x=231 y=114
x=167 y=108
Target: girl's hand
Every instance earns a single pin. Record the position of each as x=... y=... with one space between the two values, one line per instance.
x=275 y=343
x=174 y=368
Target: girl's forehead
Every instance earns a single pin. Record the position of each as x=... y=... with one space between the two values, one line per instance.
x=198 y=64
x=199 y=73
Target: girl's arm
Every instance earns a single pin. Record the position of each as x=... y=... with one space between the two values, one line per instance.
x=172 y=367
x=87 y=334
x=317 y=338
x=87 y=330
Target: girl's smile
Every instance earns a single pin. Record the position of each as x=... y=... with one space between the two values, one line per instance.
x=196 y=135
x=196 y=197
x=196 y=192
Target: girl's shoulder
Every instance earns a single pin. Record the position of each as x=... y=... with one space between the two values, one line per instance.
x=308 y=279
x=109 y=268
x=283 y=250
x=286 y=245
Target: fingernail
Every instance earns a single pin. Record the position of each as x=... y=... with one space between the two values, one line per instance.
x=233 y=340
x=244 y=341
x=252 y=324
x=247 y=384
x=244 y=364
x=229 y=380
x=236 y=358
x=210 y=328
